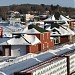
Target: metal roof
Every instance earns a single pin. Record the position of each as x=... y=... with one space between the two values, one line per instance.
x=44 y=56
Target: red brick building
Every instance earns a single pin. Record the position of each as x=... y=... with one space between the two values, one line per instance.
x=44 y=37
x=60 y=33
x=15 y=46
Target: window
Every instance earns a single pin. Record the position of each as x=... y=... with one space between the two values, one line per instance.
x=47 y=36
x=43 y=46
x=56 y=40
x=43 y=36
x=47 y=45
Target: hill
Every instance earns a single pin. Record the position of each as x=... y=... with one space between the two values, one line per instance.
x=31 y=8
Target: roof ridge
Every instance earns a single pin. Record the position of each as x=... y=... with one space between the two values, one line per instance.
x=37 y=28
x=25 y=39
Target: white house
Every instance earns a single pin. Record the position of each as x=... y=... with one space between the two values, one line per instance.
x=18 y=45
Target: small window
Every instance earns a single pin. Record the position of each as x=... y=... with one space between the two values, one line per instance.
x=43 y=36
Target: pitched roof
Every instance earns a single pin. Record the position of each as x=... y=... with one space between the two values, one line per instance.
x=3 y=41
x=63 y=18
x=37 y=28
x=59 y=31
x=33 y=30
x=53 y=19
x=42 y=57
x=22 y=40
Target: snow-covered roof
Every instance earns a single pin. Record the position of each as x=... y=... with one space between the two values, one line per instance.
x=66 y=23
x=7 y=34
x=28 y=31
x=41 y=22
x=60 y=31
x=31 y=40
x=3 y=41
x=15 y=27
x=63 y=18
x=54 y=34
x=17 y=41
x=33 y=30
x=5 y=58
x=53 y=18
x=44 y=15
x=50 y=18
x=11 y=26
x=2 y=73
x=37 y=59
x=9 y=29
x=23 y=40
x=70 y=31
x=29 y=62
x=64 y=49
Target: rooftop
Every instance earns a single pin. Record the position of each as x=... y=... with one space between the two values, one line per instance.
x=20 y=40
x=37 y=28
x=43 y=56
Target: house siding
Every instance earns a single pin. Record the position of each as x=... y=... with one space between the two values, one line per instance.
x=71 y=25
x=51 y=44
x=46 y=43
x=64 y=39
x=48 y=67
x=32 y=49
x=18 y=50
x=14 y=50
x=3 y=49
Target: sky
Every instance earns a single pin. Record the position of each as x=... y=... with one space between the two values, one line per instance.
x=67 y=3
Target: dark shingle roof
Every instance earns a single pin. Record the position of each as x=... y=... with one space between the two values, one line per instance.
x=37 y=28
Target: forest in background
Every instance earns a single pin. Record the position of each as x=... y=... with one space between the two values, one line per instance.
x=31 y=8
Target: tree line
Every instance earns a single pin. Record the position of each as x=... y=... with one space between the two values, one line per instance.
x=31 y=8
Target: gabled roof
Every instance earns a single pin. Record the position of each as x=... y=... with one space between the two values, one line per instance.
x=60 y=31
x=13 y=28
x=7 y=34
x=53 y=19
x=50 y=18
x=27 y=31
x=32 y=30
x=70 y=31
x=63 y=31
x=63 y=18
x=22 y=40
x=41 y=30
x=66 y=23
x=3 y=41
x=9 y=29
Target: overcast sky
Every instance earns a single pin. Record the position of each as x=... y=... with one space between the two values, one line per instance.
x=68 y=3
